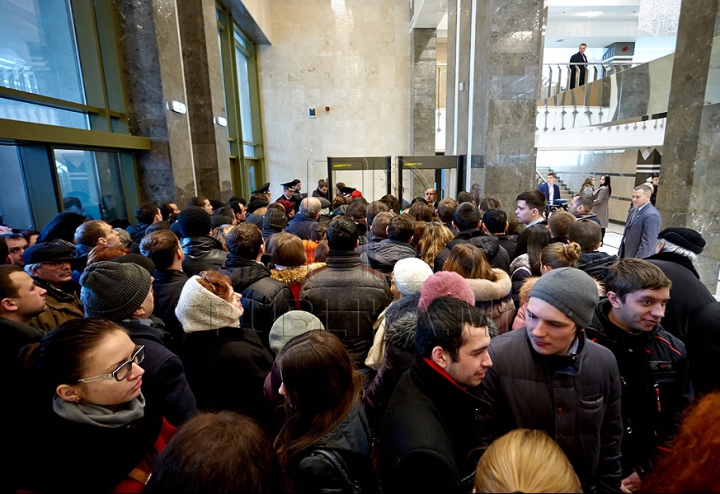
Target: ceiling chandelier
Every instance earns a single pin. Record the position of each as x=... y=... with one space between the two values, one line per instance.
x=659 y=17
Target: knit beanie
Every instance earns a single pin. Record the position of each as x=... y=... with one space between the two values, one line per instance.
x=112 y=290
x=445 y=284
x=410 y=274
x=289 y=325
x=194 y=222
x=198 y=309
x=570 y=291
x=274 y=220
x=687 y=238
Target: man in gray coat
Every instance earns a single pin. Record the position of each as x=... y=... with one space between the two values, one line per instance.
x=641 y=227
x=548 y=376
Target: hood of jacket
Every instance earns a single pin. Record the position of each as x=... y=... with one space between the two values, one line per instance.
x=486 y=290
x=383 y=255
x=194 y=247
x=297 y=274
x=244 y=272
x=198 y=309
x=596 y=264
x=401 y=322
x=490 y=244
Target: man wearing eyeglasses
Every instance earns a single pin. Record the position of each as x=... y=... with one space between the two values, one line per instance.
x=16 y=246
x=49 y=265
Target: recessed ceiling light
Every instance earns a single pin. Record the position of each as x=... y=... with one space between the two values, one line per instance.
x=560 y=40
x=594 y=13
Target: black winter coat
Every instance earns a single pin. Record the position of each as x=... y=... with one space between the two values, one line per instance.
x=312 y=473
x=428 y=434
x=574 y=399
x=164 y=381
x=347 y=298
x=300 y=225
x=227 y=367
x=382 y=256
x=596 y=264
x=688 y=295
x=703 y=348
x=490 y=245
x=167 y=287
x=656 y=387
x=202 y=254
x=263 y=298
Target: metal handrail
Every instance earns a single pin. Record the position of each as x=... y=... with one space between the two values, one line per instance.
x=553 y=83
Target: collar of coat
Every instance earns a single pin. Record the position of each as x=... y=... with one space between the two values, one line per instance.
x=677 y=259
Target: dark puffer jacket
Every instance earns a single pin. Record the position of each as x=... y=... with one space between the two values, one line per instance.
x=400 y=324
x=656 y=386
x=300 y=225
x=382 y=256
x=596 y=264
x=490 y=245
x=348 y=298
x=351 y=440
x=574 y=399
x=429 y=434
x=263 y=298
x=202 y=254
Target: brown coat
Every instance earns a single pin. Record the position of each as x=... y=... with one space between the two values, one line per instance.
x=61 y=307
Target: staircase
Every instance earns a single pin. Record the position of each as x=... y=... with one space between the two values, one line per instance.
x=565 y=193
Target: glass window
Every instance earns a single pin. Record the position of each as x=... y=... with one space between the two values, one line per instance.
x=14 y=204
x=91 y=183
x=38 y=51
x=28 y=112
x=244 y=94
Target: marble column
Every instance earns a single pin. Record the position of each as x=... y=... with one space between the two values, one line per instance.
x=424 y=74
x=497 y=128
x=689 y=192
x=203 y=82
x=152 y=69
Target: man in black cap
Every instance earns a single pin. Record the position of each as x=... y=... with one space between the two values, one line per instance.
x=346 y=191
x=265 y=190
x=202 y=252
x=274 y=222
x=49 y=265
x=677 y=251
x=322 y=189
x=290 y=194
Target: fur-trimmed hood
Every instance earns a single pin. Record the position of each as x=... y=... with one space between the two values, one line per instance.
x=486 y=290
x=529 y=282
x=401 y=322
x=290 y=276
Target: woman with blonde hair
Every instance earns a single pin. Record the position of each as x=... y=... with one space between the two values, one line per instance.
x=553 y=256
x=525 y=460
x=491 y=286
x=588 y=186
x=433 y=241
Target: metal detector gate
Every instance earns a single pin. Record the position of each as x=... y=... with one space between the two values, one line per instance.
x=445 y=174
x=370 y=175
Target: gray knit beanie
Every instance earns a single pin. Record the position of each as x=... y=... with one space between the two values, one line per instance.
x=291 y=324
x=570 y=291
x=113 y=291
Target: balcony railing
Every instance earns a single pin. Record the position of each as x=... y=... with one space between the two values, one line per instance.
x=557 y=77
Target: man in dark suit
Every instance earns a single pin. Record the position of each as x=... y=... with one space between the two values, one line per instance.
x=641 y=227
x=549 y=189
x=579 y=57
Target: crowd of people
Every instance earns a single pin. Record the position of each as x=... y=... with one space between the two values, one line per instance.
x=343 y=345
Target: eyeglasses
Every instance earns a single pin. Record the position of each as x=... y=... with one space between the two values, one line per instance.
x=123 y=371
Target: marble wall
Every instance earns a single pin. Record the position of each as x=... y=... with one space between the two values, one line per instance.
x=689 y=194
x=493 y=109
x=353 y=57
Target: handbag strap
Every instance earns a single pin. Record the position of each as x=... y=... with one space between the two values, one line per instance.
x=339 y=464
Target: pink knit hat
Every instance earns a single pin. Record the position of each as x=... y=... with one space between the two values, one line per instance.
x=445 y=284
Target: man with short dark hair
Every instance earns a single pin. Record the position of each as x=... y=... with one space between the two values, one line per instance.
x=641 y=227
x=378 y=230
x=445 y=211
x=49 y=265
x=146 y=215
x=383 y=255
x=164 y=250
x=677 y=251
x=346 y=296
x=468 y=221
x=321 y=190
x=531 y=208
x=550 y=189
x=357 y=211
x=201 y=202
x=169 y=211
x=373 y=209
x=494 y=222
x=307 y=216
x=20 y=301
x=263 y=298
x=581 y=207
x=653 y=363
x=16 y=244
x=239 y=211
x=588 y=235
x=465 y=196
x=429 y=440
x=578 y=64
x=202 y=252
x=89 y=235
